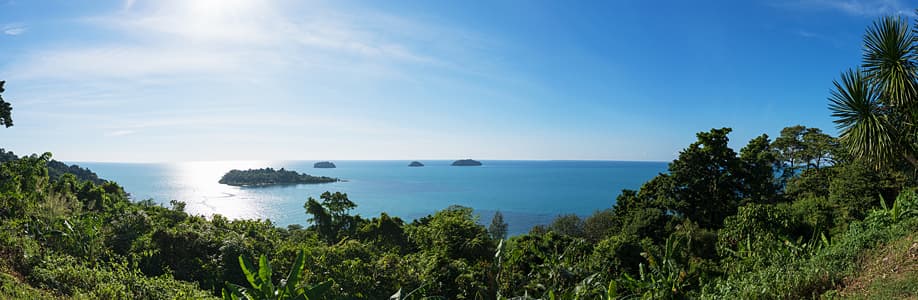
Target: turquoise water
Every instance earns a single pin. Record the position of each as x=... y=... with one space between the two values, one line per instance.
x=526 y=192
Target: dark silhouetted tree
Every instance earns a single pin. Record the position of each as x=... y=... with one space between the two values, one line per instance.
x=6 y=118
x=321 y=219
x=758 y=162
x=498 y=228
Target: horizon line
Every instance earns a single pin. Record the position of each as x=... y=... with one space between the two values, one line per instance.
x=356 y=160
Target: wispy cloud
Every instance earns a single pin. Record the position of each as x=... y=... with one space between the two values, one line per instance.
x=120 y=133
x=813 y=36
x=807 y=34
x=186 y=71
x=867 y=8
x=178 y=38
x=13 y=29
x=125 y=61
x=128 y=4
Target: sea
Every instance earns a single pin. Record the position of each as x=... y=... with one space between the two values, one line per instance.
x=527 y=193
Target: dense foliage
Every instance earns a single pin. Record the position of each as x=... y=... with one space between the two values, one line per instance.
x=56 y=169
x=270 y=176
x=6 y=110
x=790 y=218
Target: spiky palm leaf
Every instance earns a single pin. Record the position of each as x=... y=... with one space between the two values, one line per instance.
x=862 y=119
x=890 y=56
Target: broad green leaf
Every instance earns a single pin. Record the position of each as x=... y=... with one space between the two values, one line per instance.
x=293 y=277
x=249 y=270
x=316 y=291
x=264 y=273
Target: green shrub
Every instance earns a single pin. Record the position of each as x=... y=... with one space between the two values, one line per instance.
x=65 y=275
x=13 y=288
x=600 y=225
x=616 y=254
x=857 y=189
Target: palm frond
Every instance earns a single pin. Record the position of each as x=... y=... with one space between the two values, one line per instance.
x=889 y=60
x=860 y=116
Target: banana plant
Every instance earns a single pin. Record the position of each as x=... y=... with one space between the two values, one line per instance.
x=263 y=289
x=662 y=278
x=904 y=205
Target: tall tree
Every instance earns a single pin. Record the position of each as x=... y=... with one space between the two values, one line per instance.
x=6 y=118
x=876 y=108
x=498 y=228
x=790 y=148
x=331 y=218
x=707 y=179
x=321 y=219
x=337 y=204
x=758 y=163
x=818 y=148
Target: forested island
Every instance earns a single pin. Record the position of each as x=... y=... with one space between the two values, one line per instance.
x=466 y=162
x=270 y=176
x=803 y=215
x=324 y=165
x=415 y=164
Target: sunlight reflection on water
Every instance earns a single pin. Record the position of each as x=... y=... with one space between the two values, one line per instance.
x=197 y=184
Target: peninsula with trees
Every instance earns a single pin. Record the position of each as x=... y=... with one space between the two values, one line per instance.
x=270 y=176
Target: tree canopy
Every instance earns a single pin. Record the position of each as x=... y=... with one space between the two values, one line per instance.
x=6 y=109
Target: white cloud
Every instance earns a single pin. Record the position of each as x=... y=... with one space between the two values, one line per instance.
x=181 y=37
x=13 y=29
x=125 y=61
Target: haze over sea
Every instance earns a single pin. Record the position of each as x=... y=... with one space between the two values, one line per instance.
x=526 y=192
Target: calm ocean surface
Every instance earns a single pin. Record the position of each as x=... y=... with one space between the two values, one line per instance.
x=526 y=192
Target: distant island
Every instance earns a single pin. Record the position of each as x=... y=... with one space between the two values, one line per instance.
x=270 y=176
x=466 y=162
x=324 y=165
x=415 y=164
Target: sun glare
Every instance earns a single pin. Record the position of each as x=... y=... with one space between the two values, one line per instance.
x=198 y=183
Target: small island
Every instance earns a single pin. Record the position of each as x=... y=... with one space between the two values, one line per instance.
x=415 y=164
x=324 y=165
x=466 y=162
x=270 y=176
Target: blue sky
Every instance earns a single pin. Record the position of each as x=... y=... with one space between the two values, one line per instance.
x=184 y=80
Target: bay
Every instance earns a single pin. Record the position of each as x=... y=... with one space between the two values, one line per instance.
x=526 y=192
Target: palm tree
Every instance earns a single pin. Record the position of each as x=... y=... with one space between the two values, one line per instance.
x=876 y=107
